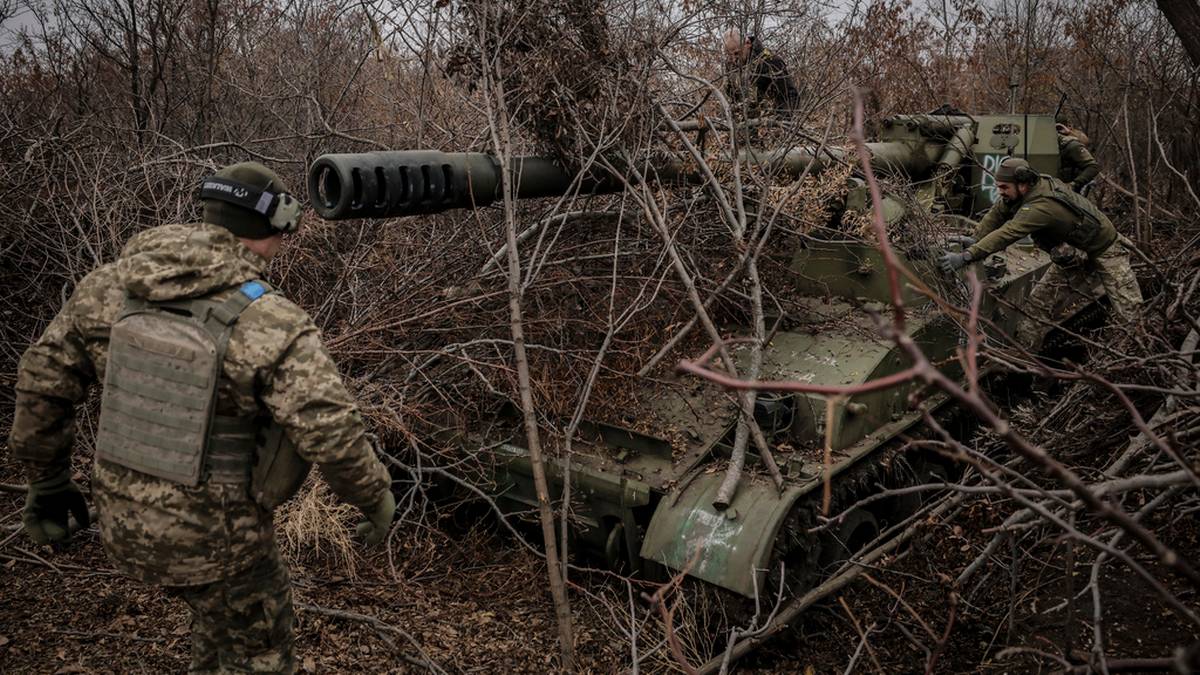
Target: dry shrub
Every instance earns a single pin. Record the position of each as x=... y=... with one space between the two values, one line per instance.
x=698 y=613
x=814 y=201
x=569 y=78
x=314 y=528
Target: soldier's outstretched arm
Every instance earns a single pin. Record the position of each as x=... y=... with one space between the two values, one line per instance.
x=305 y=394
x=991 y=220
x=1024 y=223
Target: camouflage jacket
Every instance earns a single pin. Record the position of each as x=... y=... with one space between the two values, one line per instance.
x=160 y=531
x=1040 y=215
x=1078 y=167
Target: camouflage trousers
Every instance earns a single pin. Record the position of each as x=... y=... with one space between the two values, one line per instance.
x=243 y=624
x=1115 y=273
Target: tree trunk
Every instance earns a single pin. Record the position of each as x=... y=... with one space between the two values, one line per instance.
x=1184 y=16
x=501 y=140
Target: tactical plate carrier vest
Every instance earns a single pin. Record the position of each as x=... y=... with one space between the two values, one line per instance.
x=1092 y=231
x=158 y=412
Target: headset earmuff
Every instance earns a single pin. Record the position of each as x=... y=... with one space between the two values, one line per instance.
x=286 y=215
x=281 y=209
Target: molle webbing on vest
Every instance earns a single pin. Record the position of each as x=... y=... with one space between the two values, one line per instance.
x=160 y=390
x=231 y=445
x=1091 y=223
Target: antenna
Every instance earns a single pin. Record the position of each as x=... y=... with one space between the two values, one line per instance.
x=1061 y=100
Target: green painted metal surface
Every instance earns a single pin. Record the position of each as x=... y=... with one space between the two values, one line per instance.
x=1031 y=137
x=586 y=481
x=847 y=269
x=649 y=478
x=730 y=548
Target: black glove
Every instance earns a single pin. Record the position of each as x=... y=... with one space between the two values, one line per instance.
x=379 y=520
x=964 y=240
x=950 y=262
x=47 y=505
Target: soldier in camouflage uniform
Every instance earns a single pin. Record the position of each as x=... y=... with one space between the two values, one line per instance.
x=1077 y=167
x=194 y=515
x=1063 y=223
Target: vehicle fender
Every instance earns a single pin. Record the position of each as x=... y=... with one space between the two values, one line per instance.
x=729 y=548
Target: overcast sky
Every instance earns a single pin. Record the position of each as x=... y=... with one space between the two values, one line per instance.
x=12 y=25
x=835 y=9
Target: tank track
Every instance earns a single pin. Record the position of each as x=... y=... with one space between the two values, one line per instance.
x=800 y=548
x=1058 y=341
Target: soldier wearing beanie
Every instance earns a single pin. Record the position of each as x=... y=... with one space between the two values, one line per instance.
x=1066 y=225
x=217 y=398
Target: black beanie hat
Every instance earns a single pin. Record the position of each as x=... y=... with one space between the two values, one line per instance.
x=244 y=222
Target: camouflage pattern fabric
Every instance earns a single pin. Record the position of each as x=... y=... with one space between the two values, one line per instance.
x=1115 y=273
x=243 y=624
x=155 y=530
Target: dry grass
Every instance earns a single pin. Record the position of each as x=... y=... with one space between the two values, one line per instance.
x=315 y=528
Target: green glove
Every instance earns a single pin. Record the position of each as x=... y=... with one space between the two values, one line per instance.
x=964 y=240
x=378 y=521
x=47 y=505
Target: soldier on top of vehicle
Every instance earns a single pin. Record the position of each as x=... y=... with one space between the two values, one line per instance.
x=1061 y=222
x=749 y=64
x=217 y=396
x=1077 y=166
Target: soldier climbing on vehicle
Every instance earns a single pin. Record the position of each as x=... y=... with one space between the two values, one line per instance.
x=1077 y=166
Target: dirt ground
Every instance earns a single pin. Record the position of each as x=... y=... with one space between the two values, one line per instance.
x=475 y=602
x=473 y=610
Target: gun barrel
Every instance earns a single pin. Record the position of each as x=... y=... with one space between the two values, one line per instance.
x=413 y=182
x=891 y=157
x=417 y=182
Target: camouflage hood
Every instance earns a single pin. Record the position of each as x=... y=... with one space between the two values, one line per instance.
x=185 y=261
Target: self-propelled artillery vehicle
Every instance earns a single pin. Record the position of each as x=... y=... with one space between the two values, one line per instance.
x=644 y=492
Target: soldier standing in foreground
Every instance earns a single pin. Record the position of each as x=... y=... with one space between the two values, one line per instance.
x=1077 y=166
x=747 y=63
x=1062 y=223
x=217 y=397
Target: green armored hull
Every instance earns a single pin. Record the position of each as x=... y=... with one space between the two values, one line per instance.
x=645 y=493
x=643 y=490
